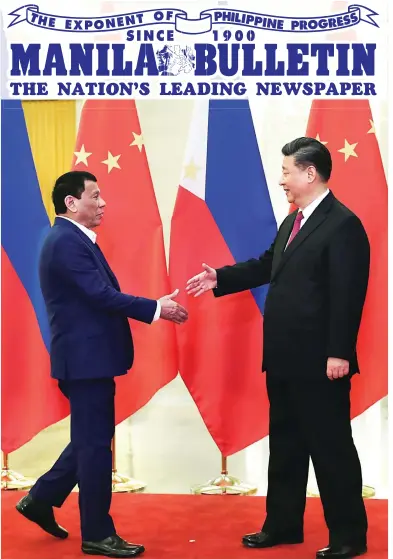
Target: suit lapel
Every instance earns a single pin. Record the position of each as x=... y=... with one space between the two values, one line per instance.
x=103 y=260
x=92 y=246
x=316 y=218
x=282 y=241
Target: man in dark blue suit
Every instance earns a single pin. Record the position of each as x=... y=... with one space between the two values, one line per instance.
x=91 y=343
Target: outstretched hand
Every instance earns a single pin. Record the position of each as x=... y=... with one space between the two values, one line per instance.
x=170 y=310
x=202 y=282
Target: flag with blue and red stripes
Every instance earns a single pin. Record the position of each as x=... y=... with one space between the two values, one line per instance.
x=223 y=215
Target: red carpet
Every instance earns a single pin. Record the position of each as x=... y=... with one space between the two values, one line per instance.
x=180 y=527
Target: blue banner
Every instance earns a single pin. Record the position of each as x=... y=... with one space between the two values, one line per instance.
x=207 y=19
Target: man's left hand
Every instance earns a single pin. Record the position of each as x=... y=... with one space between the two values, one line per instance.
x=336 y=368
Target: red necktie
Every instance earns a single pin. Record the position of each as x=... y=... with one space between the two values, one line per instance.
x=296 y=227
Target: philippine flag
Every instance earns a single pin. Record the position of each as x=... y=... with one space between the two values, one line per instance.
x=223 y=215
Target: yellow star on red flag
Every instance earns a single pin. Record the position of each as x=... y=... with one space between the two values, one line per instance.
x=138 y=141
x=348 y=150
x=372 y=129
x=82 y=155
x=319 y=140
x=112 y=162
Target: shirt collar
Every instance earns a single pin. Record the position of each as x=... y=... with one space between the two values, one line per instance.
x=311 y=207
x=92 y=236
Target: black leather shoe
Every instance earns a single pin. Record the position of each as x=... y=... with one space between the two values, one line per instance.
x=263 y=539
x=114 y=546
x=42 y=514
x=341 y=551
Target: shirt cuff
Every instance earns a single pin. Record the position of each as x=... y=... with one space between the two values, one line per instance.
x=158 y=311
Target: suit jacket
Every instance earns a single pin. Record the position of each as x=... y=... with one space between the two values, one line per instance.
x=316 y=294
x=90 y=333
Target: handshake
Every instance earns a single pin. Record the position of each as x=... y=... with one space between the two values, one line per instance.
x=199 y=284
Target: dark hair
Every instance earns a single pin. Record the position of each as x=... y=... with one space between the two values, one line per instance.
x=69 y=184
x=308 y=151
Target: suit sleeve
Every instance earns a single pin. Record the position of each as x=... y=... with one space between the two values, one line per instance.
x=245 y=275
x=75 y=264
x=349 y=263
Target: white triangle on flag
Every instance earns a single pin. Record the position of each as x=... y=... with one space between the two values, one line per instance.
x=194 y=168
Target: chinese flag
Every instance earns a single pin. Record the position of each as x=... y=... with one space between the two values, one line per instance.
x=110 y=145
x=358 y=181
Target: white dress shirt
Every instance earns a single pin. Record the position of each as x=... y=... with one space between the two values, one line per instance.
x=309 y=210
x=93 y=237
x=312 y=207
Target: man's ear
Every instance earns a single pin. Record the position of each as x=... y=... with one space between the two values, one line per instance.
x=69 y=201
x=311 y=173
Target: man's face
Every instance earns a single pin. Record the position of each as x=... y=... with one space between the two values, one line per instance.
x=89 y=209
x=296 y=181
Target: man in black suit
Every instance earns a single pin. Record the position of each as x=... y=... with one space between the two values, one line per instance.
x=318 y=268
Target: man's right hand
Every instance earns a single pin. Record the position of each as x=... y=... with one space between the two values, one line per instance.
x=170 y=310
x=202 y=282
